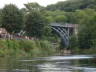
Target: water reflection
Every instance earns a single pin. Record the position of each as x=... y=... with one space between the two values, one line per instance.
x=74 y=63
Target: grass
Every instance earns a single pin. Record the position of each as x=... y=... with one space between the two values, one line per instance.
x=21 y=48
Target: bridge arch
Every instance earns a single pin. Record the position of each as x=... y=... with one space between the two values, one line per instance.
x=64 y=31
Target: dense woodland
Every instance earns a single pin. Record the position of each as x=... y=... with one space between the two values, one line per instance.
x=35 y=21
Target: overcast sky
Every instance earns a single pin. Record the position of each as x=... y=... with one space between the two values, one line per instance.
x=20 y=3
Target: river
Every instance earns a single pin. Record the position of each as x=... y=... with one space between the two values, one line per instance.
x=71 y=63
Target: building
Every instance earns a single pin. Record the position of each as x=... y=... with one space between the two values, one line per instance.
x=4 y=33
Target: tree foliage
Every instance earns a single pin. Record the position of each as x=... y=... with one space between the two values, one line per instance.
x=72 y=5
x=87 y=28
x=12 y=18
x=36 y=24
x=56 y=16
x=33 y=6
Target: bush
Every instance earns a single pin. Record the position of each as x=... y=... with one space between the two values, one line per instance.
x=20 y=48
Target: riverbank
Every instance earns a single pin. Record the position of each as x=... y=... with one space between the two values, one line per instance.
x=24 y=48
x=89 y=51
x=10 y=50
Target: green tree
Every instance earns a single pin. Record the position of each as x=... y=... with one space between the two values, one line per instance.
x=71 y=17
x=60 y=18
x=12 y=18
x=33 y=6
x=36 y=25
x=87 y=27
x=0 y=17
x=72 y=5
x=56 y=16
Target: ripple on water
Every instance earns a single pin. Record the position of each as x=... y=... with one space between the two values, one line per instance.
x=73 y=63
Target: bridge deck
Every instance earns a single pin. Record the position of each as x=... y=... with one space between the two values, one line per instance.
x=64 y=25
